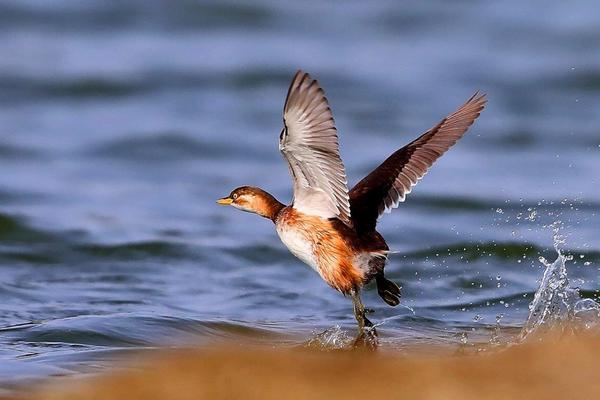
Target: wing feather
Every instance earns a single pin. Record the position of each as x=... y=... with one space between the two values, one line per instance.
x=387 y=186
x=309 y=143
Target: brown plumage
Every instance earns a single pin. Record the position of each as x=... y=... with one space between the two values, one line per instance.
x=388 y=184
x=327 y=226
x=332 y=249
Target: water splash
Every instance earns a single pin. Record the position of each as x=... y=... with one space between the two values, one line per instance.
x=333 y=338
x=587 y=313
x=495 y=339
x=556 y=303
x=409 y=308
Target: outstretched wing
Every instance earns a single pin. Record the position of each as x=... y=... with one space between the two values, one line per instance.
x=309 y=143
x=386 y=186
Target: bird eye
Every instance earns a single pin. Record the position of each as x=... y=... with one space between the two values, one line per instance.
x=235 y=196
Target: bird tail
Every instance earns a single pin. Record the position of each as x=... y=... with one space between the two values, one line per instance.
x=388 y=290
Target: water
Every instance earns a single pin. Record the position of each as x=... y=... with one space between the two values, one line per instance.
x=556 y=304
x=121 y=123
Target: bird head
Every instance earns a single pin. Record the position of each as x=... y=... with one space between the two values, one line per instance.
x=251 y=199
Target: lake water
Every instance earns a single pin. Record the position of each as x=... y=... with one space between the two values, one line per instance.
x=122 y=122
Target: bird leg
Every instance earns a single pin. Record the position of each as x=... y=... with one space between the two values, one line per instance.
x=359 y=311
x=367 y=335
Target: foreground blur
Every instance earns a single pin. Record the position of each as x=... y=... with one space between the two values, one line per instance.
x=550 y=369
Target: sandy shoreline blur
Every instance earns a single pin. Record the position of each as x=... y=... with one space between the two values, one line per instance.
x=552 y=368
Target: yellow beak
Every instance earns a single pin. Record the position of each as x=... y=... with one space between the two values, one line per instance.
x=225 y=201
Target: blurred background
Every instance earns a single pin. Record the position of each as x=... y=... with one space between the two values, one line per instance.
x=121 y=122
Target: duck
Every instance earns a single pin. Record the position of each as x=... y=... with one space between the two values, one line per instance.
x=332 y=228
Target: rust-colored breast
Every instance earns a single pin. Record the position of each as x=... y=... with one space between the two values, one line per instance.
x=333 y=253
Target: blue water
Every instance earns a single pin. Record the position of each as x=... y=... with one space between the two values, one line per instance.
x=122 y=122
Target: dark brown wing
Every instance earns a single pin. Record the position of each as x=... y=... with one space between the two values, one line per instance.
x=386 y=186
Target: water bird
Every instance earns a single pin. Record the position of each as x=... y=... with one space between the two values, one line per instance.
x=327 y=226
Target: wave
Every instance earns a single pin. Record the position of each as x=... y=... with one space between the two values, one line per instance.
x=484 y=204
x=14 y=229
x=19 y=241
x=17 y=197
x=260 y=253
x=126 y=330
x=94 y=16
x=23 y=87
x=15 y=88
x=500 y=250
x=474 y=251
x=166 y=147
x=134 y=250
x=11 y=152
x=66 y=252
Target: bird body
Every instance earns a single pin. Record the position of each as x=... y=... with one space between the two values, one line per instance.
x=327 y=226
x=332 y=249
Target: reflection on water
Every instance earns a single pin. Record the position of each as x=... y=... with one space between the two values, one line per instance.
x=122 y=122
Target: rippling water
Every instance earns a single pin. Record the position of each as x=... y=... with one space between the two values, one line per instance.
x=122 y=122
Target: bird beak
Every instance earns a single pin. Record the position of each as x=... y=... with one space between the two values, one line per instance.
x=225 y=201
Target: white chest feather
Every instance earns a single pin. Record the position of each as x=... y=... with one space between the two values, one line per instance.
x=298 y=245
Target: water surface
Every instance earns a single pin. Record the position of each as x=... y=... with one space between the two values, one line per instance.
x=121 y=123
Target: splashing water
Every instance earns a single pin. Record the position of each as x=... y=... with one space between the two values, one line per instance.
x=555 y=303
x=587 y=313
x=333 y=338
